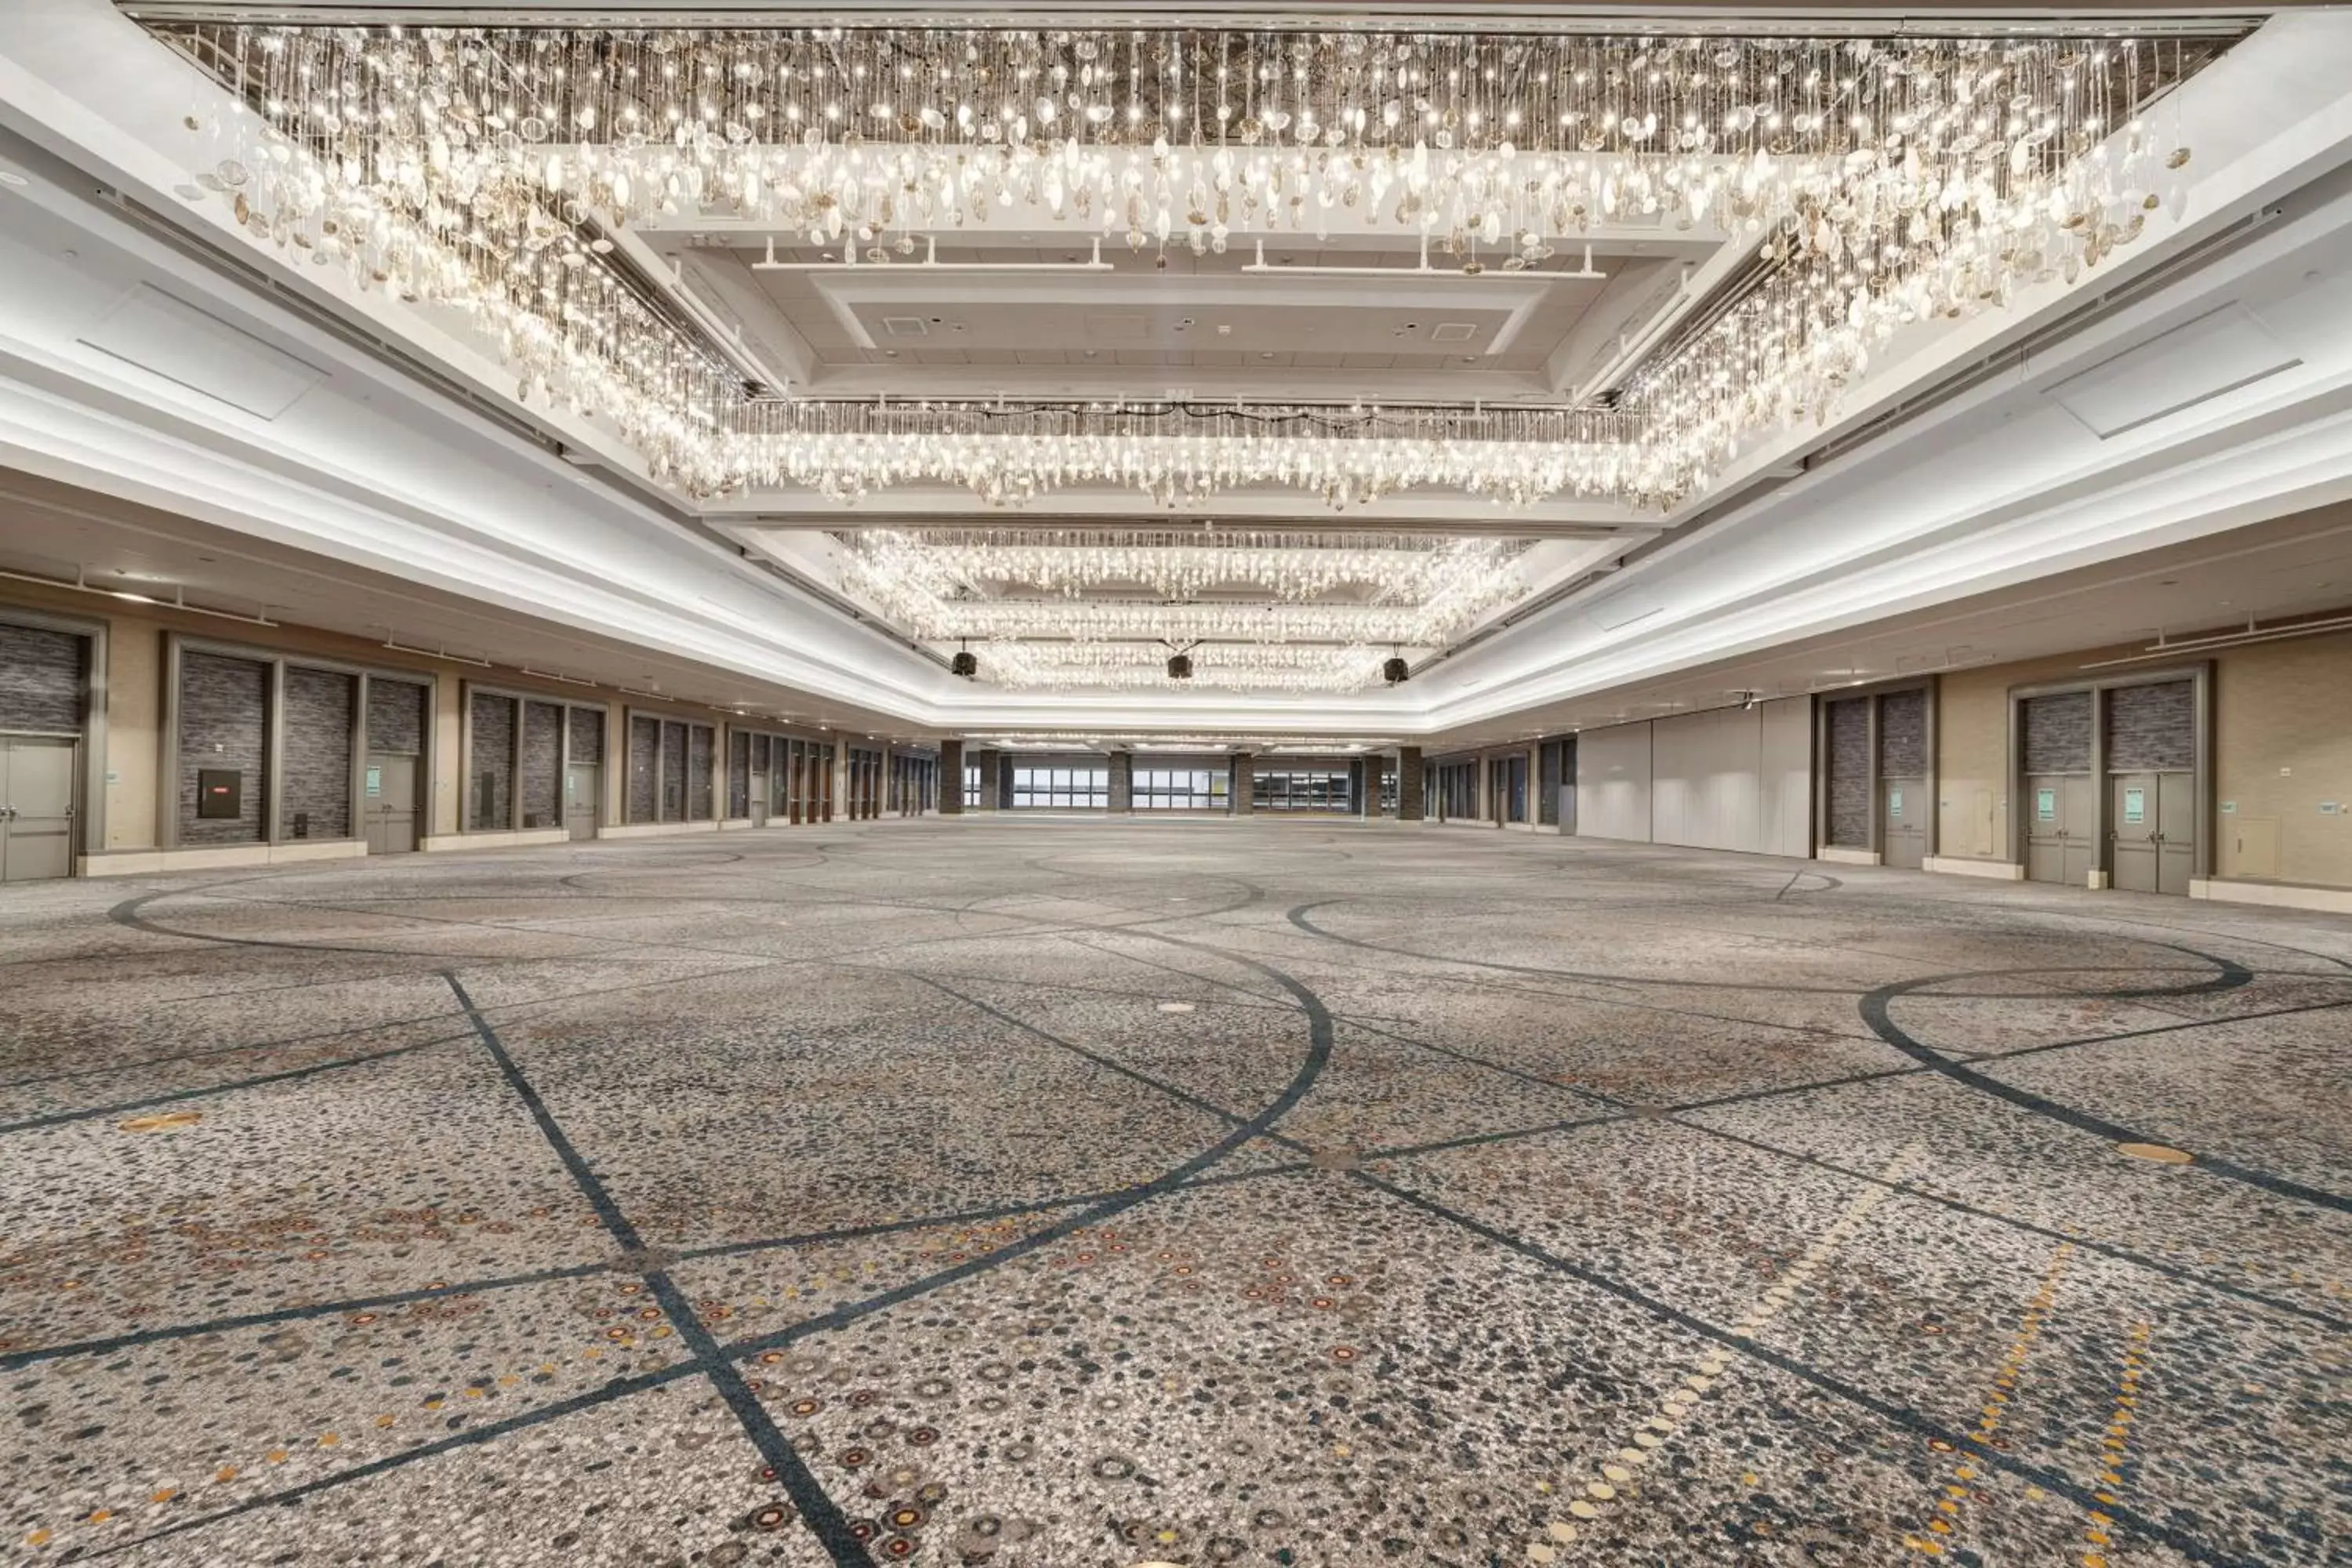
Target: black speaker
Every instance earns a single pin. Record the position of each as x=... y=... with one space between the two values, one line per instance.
x=965 y=665
x=1180 y=667
x=1394 y=671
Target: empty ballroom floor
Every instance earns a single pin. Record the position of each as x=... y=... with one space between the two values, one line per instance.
x=1053 y=1194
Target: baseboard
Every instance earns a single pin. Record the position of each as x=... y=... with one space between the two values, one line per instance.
x=521 y=839
x=2276 y=895
x=217 y=857
x=1844 y=857
x=1956 y=865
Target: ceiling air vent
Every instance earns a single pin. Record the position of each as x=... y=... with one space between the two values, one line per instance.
x=2203 y=359
x=1452 y=332
x=906 y=326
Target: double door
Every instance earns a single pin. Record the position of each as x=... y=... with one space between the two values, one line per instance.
x=36 y=807
x=2062 y=841
x=2152 y=828
x=388 y=803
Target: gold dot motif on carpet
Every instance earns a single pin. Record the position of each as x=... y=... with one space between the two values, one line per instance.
x=2155 y=1152
x=163 y=1122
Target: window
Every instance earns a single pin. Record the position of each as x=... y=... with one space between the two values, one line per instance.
x=1301 y=790
x=1062 y=788
x=1456 y=795
x=1179 y=789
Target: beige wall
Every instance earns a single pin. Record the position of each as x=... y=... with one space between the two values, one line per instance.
x=135 y=789
x=2282 y=744
x=2276 y=706
x=134 y=716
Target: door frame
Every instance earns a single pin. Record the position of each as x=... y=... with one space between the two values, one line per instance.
x=88 y=836
x=1929 y=690
x=2200 y=675
x=177 y=645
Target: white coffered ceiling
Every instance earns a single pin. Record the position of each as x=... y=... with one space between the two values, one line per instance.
x=849 y=576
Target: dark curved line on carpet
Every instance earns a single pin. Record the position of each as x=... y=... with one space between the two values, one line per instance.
x=1876 y=1008
x=1297 y=917
x=1317 y=1056
x=1897 y=1415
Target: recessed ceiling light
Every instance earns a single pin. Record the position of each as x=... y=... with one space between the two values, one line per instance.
x=11 y=177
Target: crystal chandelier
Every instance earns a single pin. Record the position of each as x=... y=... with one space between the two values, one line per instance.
x=1880 y=181
x=1178 y=454
x=1416 y=589
x=1136 y=667
x=1287 y=567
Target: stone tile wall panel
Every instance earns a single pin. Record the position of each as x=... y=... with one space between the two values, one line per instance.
x=542 y=765
x=2058 y=734
x=490 y=792
x=2152 y=728
x=318 y=772
x=41 y=678
x=395 y=716
x=1849 y=771
x=224 y=723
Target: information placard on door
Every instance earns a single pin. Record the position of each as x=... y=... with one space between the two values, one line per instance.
x=1894 y=802
x=2045 y=805
x=375 y=780
x=2134 y=805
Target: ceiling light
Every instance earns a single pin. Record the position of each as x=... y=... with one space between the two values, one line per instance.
x=481 y=169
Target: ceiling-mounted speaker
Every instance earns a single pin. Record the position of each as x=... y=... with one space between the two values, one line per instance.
x=964 y=664
x=1395 y=670
x=1180 y=667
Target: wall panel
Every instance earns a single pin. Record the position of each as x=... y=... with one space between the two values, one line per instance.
x=1785 y=756
x=2151 y=728
x=490 y=793
x=224 y=723
x=40 y=679
x=644 y=747
x=1613 y=782
x=395 y=716
x=587 y=735
x=318 y=776
x=1849 y=773
x=542 y=765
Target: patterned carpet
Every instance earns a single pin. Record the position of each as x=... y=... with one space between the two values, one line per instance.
x=1055 y=1194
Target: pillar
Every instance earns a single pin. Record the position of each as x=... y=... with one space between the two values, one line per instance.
x=1369 y=772
x=991 y=767
x=1409 y=780
x=1122 y=782
x=1242 y=770
x=951 y=778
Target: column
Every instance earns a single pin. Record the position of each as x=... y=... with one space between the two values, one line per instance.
x=951 y=778
x=1122 y=782
x=992 y=767
x=844 y=809
x=1369 y=772
x=1409 y=783
x=1242 y=771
